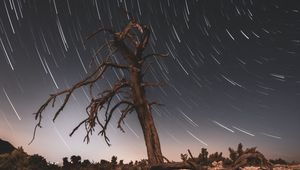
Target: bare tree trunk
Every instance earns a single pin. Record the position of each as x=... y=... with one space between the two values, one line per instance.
x=146 y=120
x=142 y=107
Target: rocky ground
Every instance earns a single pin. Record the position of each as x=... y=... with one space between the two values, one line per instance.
x=287 y=167
x=275 y=167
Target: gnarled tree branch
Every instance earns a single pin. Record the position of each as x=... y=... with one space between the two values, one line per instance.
x=95 y=103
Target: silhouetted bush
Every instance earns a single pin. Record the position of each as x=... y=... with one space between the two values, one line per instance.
x=184 y=157
x=114 y=160
x=6 y=147
x=37 y=162
x=66 y=163
x=215 y=157
x=203 y=157
x=86 y=163
x=75 y=160
x=19 y=160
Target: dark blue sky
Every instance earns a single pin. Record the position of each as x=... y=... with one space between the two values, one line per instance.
x=232 y=75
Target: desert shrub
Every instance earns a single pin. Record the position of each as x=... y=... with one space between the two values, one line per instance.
x=66 y=163
x=86 y=163
x=103 y=162
x=184 y=157
x=76 y=160
x=37 y=162
x=14 y=160
x=227 y=162
x=215 y=157
x=203 y=157
x=240 y=150
x=114 y=160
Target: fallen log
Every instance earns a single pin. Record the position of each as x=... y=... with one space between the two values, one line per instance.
x=242 y=161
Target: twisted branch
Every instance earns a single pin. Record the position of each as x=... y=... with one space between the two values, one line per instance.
x=95 y=76
x=100 y=30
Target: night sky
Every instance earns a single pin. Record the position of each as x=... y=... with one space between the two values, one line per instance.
x=232 y=75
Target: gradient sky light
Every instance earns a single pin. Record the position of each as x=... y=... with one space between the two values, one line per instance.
x=232 y=76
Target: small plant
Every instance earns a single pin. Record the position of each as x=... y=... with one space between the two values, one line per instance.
x=114 y=161
x=184 y=157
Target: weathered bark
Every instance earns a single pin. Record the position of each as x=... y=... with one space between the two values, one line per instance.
x=146 y=121
x=142 y=107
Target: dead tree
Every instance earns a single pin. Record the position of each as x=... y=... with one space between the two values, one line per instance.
x=129 y=43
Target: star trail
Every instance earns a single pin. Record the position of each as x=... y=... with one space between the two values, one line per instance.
x=232 y=75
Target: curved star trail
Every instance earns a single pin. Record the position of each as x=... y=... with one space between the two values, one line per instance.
x=232 y=75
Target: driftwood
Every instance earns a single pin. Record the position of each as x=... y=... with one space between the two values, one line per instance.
x=188 y=164
x=242 y=161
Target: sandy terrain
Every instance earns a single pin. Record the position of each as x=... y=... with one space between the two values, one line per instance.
x=276 y=167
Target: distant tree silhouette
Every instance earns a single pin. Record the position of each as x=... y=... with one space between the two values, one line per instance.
x=14 y=160
x=6 y=147
x=76 y=160
x=114 y=161
x=240 y=150
x=86 y=163
x=65 y=160
x=37 y=162
x=66 y=163
x=203 y=157
x=104 y=162
x=121 y=162
x=130 y=43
